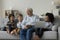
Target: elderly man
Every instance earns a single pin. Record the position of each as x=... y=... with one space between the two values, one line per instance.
x=28 y=25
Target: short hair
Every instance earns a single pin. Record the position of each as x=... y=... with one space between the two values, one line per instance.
x=51 y=17
x=30 y=9
x=10 y=16
x=20 y=15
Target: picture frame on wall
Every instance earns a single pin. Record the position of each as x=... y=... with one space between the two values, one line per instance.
x=14 y=12
x=7 y=12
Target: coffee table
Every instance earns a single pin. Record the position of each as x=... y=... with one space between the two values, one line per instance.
x=5 y=36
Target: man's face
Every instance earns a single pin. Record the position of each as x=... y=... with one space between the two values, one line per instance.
x=29 y=13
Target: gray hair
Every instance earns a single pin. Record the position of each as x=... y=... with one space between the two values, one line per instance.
x=30 y=9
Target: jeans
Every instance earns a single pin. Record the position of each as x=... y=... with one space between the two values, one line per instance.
x=26 y=34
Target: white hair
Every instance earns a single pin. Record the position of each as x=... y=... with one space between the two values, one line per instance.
x=30 y=9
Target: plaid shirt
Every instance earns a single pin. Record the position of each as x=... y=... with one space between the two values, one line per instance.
x=11 y=24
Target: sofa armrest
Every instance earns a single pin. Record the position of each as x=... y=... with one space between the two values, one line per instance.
x=58 y=33
x=59 y=30
x=50 y=35
x=55 y=27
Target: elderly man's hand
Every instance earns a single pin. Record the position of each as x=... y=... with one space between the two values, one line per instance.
x=27 y=26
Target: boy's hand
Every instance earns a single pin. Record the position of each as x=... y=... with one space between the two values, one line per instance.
x=12 y=32
x=8 y=32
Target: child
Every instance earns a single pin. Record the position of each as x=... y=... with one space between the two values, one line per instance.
x=11 y=25
x=17 y=30
x=49 y=19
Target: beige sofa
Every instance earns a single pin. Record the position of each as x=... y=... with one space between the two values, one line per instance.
x=48 y=35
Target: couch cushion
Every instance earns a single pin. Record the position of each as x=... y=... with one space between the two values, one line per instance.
x=5 y=35
x=50 y=35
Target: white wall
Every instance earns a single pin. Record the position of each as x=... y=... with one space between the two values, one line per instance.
x=0 y=8
x=39 y=6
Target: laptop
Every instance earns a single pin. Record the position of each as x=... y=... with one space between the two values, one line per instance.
x=40 y=24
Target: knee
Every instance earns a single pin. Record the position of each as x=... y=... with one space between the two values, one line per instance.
x=22 y=31
x=29 y=31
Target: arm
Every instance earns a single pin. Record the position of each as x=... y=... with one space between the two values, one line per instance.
x=7 y=29
x=23 y=24
x=7 y=26
x=18 y=30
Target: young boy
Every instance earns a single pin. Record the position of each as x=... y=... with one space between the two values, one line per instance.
x=11 y=25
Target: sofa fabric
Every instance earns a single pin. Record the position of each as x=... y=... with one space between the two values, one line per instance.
x=5 y=35
x=50 y=35
x=59 y=33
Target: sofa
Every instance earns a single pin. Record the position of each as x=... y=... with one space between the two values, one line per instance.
x=51 y=35
x=58 y=33
x=5 y=36
x=58 y=29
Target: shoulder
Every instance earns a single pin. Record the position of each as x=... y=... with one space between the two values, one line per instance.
x=25 y=17
x=8 y=23
x=36 y=16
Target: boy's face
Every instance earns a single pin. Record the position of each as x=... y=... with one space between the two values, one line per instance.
x=46 y=18
x=20 y=18
x=12 y=18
